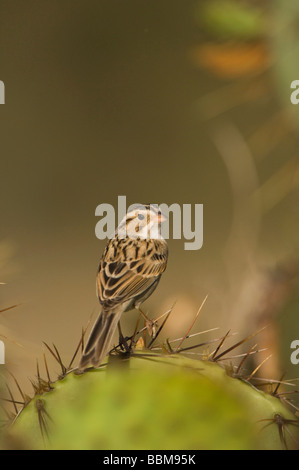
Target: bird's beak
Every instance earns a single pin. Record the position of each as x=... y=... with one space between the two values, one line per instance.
x=161 y=218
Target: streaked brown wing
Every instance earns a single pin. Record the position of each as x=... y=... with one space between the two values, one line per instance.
x=129 y=267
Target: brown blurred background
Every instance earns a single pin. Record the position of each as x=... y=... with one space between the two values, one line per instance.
x=162 y=101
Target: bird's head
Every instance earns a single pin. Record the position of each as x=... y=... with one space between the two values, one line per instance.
x=143 y=221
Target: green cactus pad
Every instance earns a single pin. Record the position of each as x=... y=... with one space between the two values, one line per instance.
x=151 y=401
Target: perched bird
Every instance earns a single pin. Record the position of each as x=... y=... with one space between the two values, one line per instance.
x=129 y=272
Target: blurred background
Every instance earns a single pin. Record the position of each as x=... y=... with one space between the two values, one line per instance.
x=162 y=101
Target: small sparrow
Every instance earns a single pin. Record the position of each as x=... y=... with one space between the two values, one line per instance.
x=129 y=272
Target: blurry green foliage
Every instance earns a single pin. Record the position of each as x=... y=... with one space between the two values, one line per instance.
x=229 y=19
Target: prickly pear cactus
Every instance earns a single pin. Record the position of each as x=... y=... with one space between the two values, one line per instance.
x=152 y=401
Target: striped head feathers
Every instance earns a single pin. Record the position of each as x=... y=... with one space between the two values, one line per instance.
x=143 y=221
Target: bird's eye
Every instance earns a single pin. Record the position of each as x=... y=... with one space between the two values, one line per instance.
x=140 y=216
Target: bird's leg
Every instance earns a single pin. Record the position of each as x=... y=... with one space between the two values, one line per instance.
x=122 y=340
x=150 y=324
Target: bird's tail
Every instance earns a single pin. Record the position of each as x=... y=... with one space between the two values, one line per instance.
x=100 y=338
